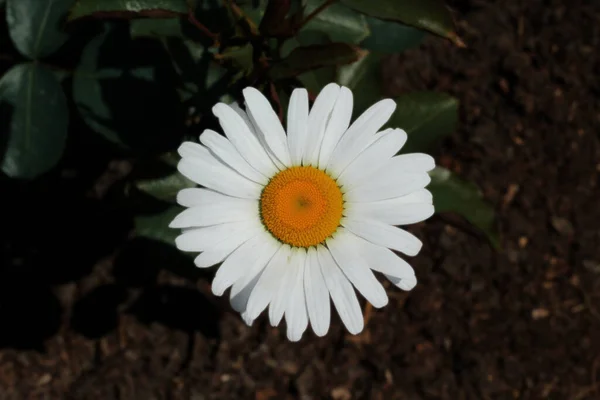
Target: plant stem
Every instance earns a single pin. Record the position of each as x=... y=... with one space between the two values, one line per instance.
x=192 y=18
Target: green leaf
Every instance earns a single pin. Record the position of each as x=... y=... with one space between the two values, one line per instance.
x=167 y=186
x=317 y=79
x=205 y=82
x=307 y=58
x=35 y=116
x=156 y=226
x=127 y=8
x=391 y=37
x=364 y=79
x=274 y=22
x=452 y=194
x=340 y=23
x=240 y=57
x=156 y=27
x=125 y=91
x=426 y=117
x=35 y=26
x=430 y=15
x=304 y=38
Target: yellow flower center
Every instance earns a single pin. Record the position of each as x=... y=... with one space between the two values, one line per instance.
x=301 y=206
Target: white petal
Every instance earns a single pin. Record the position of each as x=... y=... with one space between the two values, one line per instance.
x=254 y=251
x=240 y=294
x=387 y=184
x=391 y=211
x=342 y=247
x=317 y=122
x=269 y=282
x=190 y=197
x=244 y=140
x=387 y=144
x=413 y=162
x=207 y=171
x=297 y=124
x=337 y=126
x=242 y=288
x=295 y=312
x=230 y=209
x=317 y=295
x=384 y=260
x=384 y=235
x=360 y=135
x=263 y=142
x=403 y=283
x=202 y=239
x=341 y=291
x=268 y=122
x=191 y=150
x=219 y=251
x=244 y=115
x=251 y=122
x=225 y=151
x=292 y=275
x=247 y=319
x=420 y=196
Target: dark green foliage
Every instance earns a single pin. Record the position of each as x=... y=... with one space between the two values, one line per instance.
x=145 y=74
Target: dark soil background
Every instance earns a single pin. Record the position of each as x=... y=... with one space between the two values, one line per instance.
x=88 y=313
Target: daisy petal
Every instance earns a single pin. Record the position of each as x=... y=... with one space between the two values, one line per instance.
x=382 y=259
x=221 y=250
x=254 y=251
x=230 y=209
x=242 y=288
x=201 y=239
x=295 y=313
x=261 y=138
x=391 y=211
x=360 y=135
x=403 y=283
x=228 y=154
x=240 y=111
x=380 y=187
x=342 y=247
x=297 y=124
x=244 y=140
x=268 y=122
x=337 y=126
x=384 y=235
x=317 y=295
x=191 y=150
x=240 y=294
x=207 y=171
x=387 y=144
x=317 y=122
x=420 y=196
x=190 y=197
x=286 y=285
x=413 y=162
x=269 y=282
x=341 y=291
x=247 y=319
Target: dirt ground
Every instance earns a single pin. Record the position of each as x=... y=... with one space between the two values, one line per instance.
x=87 y=313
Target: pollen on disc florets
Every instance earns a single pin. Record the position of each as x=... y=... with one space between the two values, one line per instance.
x=301 y=206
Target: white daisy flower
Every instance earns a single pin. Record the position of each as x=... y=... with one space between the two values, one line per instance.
x=300 y=218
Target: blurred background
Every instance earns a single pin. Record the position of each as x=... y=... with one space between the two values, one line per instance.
x=95 y=96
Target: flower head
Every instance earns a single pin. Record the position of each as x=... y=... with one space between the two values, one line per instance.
x=296 y=219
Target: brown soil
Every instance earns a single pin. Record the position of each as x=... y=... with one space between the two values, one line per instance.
x=522 y=323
